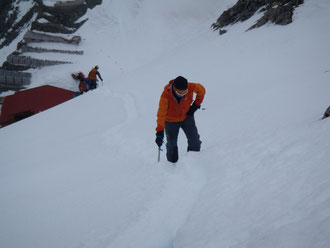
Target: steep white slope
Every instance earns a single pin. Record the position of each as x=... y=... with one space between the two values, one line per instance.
x=84 y=174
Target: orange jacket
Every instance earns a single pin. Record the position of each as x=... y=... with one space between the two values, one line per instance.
x=92 y=74
x=170 y=110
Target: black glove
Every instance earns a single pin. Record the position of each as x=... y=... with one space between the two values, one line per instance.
x=192 y=109
x=159 y=138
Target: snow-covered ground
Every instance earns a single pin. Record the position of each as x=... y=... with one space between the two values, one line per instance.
x=85 y=173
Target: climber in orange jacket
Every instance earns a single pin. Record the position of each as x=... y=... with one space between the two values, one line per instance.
x=92 y=77
x=176 y=110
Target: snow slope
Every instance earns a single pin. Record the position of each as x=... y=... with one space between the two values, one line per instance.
x=85 y=173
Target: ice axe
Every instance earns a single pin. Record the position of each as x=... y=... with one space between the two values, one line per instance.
x=159 y=150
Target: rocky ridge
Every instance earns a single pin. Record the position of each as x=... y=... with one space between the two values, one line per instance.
x=276 y=11
x=60 y=18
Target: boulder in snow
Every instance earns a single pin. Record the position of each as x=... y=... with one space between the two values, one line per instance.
x=327 y=113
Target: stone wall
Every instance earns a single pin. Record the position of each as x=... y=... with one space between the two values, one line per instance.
x=31 y=36
x=12 y=80
x=29 y=49
x=32 y=62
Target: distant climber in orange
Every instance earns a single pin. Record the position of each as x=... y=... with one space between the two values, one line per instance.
x=92 y=77
x=83 y=85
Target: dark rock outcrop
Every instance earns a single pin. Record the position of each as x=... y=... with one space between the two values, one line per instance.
x=92 y=3
x=276 y=11
x=54 y=27
x=61 y=18
x=326 y=113
x=64 y=14
x=10 y=26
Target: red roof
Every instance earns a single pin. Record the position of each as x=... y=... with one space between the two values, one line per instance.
x=28 y=102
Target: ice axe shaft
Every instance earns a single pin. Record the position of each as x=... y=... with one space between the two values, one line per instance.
x=159 y=150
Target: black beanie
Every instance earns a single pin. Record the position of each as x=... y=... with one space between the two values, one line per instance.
x=180 y=83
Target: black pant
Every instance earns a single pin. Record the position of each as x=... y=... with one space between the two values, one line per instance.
x=92 y=84
x=172 y=132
